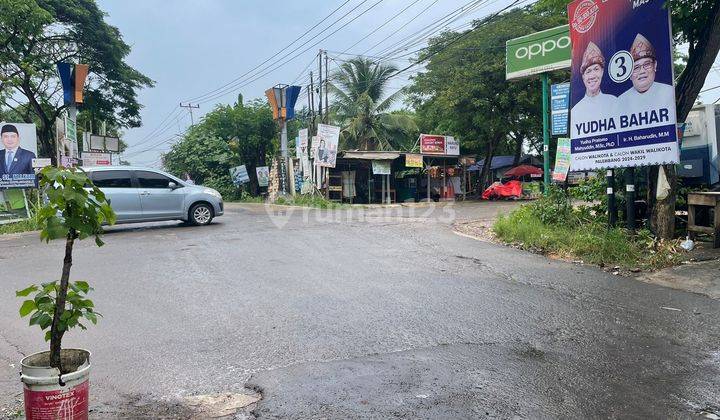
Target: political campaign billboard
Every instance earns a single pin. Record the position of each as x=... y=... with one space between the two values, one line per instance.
x=17 y=151
x=327 y=148
x=622 y=95
x=239 y=175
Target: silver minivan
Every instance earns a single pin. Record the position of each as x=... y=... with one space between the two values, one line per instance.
x=139 y=194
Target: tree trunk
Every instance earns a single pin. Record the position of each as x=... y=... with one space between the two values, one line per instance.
x=700 y=61
x=518 y=150
x=486 y=170
x=55 y=334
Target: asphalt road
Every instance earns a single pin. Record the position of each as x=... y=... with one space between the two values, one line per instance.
x=366 y=314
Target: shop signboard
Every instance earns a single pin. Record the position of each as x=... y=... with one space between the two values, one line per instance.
x=452 y=146
x=329 y=137
x=537 y=53
x=560 y=108
x=622 y=95
x=562 y=160
x=96 y=159
x=381 y=167
x=17 y=151
x=432 y=144
x=413 y=161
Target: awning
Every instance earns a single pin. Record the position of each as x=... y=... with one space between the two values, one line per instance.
x=370 y=155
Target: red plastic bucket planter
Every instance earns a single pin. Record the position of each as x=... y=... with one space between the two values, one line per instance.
x=52 y=396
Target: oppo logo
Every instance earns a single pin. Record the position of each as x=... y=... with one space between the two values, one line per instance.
x=542 y=48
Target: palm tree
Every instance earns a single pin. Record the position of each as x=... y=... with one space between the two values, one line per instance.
x=361 y=107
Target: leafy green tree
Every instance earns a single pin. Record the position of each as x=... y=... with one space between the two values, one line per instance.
x=228 y=136
x=37 y=34
x=695 y=23
x=463 y=90
x=362 y=107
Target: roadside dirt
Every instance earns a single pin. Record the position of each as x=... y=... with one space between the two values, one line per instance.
x=698 y=273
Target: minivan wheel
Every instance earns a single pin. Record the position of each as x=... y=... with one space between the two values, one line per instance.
x=201 y=214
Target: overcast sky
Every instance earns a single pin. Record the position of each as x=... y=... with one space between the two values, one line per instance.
x=191 y=48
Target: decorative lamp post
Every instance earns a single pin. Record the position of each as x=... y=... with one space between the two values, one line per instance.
x=282 y=100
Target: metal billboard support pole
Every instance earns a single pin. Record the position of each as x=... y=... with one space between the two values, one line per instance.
x=630 y=198
x=546 y=134
x=284 y=156
x=612 y=206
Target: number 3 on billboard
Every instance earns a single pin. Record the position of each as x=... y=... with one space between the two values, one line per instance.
x=621 y=65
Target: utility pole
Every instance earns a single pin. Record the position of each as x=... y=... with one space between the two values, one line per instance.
x=327 y=81
x=311 y=97
x=320 y=82
x=190 y=107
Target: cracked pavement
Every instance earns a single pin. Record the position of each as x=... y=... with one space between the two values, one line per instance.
x=370 y=313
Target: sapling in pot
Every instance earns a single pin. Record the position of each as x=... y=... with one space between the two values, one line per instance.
x=74 y=210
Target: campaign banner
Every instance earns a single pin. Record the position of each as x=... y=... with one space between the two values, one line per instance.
x=17 y=151
x=622 y=93
x=562 y=160
x=560 y=108
x=239 y=175
x=263 y=175
x=303 y=138
x=328 y=139
x=66 y=141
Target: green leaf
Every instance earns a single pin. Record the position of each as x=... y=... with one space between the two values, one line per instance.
x=27 y=291
x=48 y=335
x=91 y=316
x=83 y=285
x=35 y=318
x=27 y=307
x=45 y=321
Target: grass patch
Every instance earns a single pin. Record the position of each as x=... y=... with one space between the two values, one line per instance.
x=26 y=225
x=310 y=201
x=590 y=242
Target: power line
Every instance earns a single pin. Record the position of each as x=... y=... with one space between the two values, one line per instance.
x=165 y=128
x=277 y=66
x=242 y=80
x=281 y=50
x=403 y=26
x=382 y=26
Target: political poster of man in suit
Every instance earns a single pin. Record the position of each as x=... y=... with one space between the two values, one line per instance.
x=622 y=95
x=17 y=151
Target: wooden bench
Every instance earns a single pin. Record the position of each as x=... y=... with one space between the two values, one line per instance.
x=708 y=199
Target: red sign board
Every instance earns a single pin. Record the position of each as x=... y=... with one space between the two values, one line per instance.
x=432 y=145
